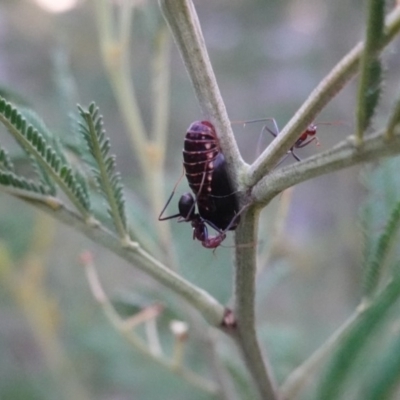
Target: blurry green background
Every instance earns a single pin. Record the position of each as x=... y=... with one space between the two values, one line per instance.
x=268 y=56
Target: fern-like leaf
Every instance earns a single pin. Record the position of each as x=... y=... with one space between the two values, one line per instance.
x=9 y=178
x=394 y=119
x=354 y=342
x=373 y=269
x=371 y=67
x=46 y=156
x=5 y=160
x=382 y=183
x=107 y=178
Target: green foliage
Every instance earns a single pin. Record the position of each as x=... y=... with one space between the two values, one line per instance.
x=104 y=169
x=369 y=94
x=371 y=67
x=371 y=319
x=53 y=167
x=101 y=357
x=381 y=205
x=8 y=178
x=394 y=118
x=373 y=269
x=5 y=160
x=346 y=372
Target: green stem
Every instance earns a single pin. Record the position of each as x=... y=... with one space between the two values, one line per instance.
x=115 y=52
x=182 y=19
x=318 y=99
x=119 y=325
x=244 y=311
x=161 y=67
x=369 y=85
x=150 y=156
x=344 y=154
x=212 y=311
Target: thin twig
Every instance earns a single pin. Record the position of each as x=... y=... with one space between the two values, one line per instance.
x=345 y=70
x=207 y=305
x=115 y=45
x=183 y=21
x=343 y=155
x=119 y=324
x=115 y=53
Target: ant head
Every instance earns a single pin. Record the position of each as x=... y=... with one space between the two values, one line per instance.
x=311 y=129
x=186 y=207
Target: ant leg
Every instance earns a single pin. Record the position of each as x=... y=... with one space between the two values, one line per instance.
x=289 y=151
x=200 y=232
x=294 y=155
x=265 y=128
x=250 y=121
x=236 y=217
x=233 y=220
x=215 y=241
x=160 y=218
x=299 y=146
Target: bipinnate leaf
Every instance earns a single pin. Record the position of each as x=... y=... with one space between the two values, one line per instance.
x=5 y=160
x=374 y=268
x=55 y=167
x=104 y=169
x=8 y=178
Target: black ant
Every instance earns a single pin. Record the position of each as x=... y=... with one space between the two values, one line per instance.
x=205 y=170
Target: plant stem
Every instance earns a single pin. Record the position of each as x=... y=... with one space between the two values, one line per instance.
x=130 y=335
x=370 y=80
x=183 y=21
x=343 y=155
x=318 y=99
x=114 y=43
x=245 y=335
x=161 y=70
x=212 y=311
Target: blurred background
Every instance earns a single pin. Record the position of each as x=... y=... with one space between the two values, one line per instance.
x=268 y=56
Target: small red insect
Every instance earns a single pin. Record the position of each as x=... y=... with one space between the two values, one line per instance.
x=308 y=136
